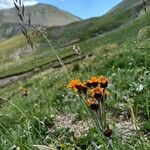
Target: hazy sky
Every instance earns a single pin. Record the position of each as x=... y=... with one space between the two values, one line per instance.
x=82 y=8
x=5 y=4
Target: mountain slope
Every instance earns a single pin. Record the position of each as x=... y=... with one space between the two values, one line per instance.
x=122 y=14
x=112 y=27
x=128 y=4
x=41 y=14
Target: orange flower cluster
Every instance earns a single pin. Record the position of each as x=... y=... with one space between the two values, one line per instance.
x=94 y=89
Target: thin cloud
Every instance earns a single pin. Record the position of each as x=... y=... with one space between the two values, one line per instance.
x=5 y=4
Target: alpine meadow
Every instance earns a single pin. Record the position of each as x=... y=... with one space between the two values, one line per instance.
x=68 y=83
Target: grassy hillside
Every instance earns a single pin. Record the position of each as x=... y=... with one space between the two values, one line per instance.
x=124 y=13
x=81 y=32
x=41 y=113
x=31 y=120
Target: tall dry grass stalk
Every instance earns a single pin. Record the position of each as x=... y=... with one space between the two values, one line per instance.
x=21 y=13
x=57 y=56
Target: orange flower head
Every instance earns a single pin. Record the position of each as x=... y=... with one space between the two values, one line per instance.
x=81 y=88
x=77 y=85
x=97 y=93
x=73 y=84
x=94 y=79
x=93 y=104
x=93 y=82
x=103 y=81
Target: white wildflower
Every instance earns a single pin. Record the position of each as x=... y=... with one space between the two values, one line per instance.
x=139 y=88
x=76 y=50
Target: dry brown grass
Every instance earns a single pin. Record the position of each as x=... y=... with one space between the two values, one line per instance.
x=20 y=11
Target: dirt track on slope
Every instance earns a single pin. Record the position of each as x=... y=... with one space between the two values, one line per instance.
x=10 y=79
